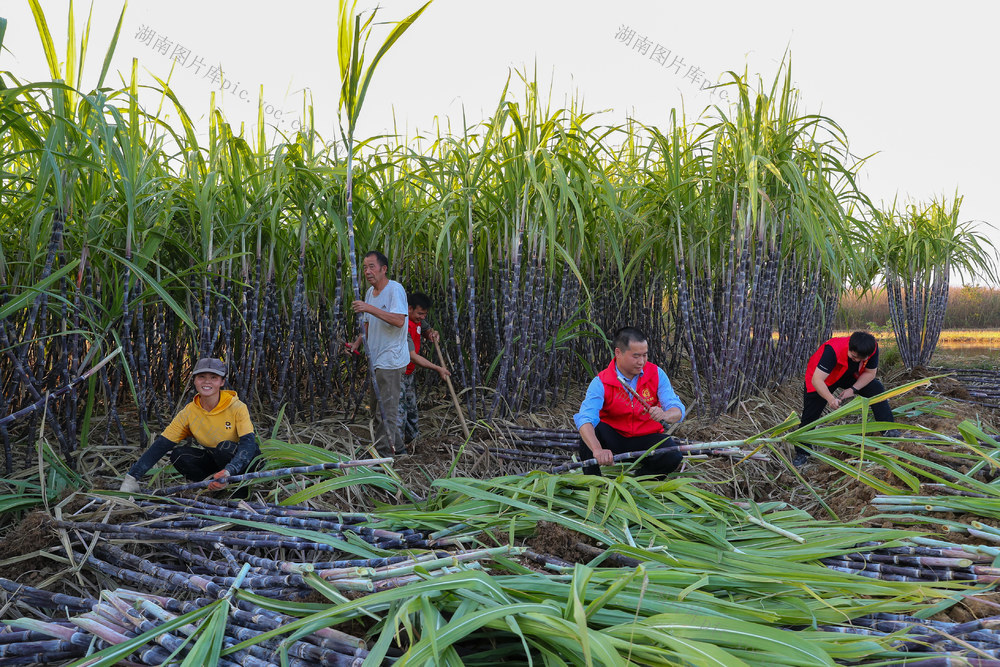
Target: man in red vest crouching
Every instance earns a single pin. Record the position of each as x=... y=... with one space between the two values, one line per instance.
x=848 y=363
x=625 y=409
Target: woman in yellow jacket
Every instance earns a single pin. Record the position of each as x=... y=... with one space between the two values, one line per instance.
x=218 y=421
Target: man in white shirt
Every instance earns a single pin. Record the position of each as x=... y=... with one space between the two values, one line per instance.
x=384 y=318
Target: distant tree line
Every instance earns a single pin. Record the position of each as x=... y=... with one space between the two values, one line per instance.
x=968 y=308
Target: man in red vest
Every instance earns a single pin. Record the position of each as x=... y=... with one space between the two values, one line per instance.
x=848 y=363
x=625 y=409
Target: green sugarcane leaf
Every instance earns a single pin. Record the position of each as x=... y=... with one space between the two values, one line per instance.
x=29 y=294
x=699 y=653
x=156 y=287
x=358 y=548
x=208 y=647
x=469 y=582
x=781 y=646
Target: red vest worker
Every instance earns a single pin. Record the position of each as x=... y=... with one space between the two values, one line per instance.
x=625 y=409
x=848 y=363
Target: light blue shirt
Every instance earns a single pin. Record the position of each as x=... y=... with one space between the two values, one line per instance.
x=386 y=343
x=590 y=409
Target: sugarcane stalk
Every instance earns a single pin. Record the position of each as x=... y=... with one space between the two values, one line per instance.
x=254 y=540
x=262 y=508
x=983 y=535
x=775 y=529
x=58 y=392
x=451 y=390
x=268 y=474
x=627 y=456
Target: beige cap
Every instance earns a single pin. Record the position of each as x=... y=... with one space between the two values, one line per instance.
x=210 y=365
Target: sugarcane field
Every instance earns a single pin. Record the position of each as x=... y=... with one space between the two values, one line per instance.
x=531 y=388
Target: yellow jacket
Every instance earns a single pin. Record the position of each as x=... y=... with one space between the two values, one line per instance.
x=229 y=420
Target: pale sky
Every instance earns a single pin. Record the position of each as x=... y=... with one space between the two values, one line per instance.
x=908 y=81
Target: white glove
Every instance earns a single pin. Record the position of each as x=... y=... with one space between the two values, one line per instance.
x=130 y=485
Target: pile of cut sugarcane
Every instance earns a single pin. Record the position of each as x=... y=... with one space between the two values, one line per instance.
x=983 y=385
x=615 y=570
x=927 y=560
x=149 y=629
x=976 y=638
x=200 y=551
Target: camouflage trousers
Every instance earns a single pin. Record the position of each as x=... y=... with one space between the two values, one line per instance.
x=407 y=421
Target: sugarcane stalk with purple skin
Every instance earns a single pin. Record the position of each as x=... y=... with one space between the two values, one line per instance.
x=293 y=522
x=260 y=508
x=268 y=474
x=534 y=433
x=351 y=38
x=550 y=444
x=267 y=651
x=293 y=568
x=58 y=392
x=266 y=542
x=10 y=636
x=253 y=616
x=626 y=456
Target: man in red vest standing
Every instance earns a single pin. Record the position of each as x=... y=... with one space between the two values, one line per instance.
x=625 y=409
x=848 y=363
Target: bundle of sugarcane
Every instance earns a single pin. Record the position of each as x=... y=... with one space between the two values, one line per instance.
x=152 y=630
x=270 y=474
x=541 y=437
x=924 y=636
x=921 y=569
x=984 y=506
x=208 y=538
x=975 y=376
x=924 y=560
x=980 y=383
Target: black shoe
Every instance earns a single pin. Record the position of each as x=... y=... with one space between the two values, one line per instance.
x=800 y=459
x=892 y=433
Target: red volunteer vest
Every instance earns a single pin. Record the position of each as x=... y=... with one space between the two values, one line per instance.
x=622 y=411
x=415 y=335
x=839 y=346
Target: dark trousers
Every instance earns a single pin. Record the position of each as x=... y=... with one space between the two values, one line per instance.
x=654 y=464
x=813 y=403
x=198 y=463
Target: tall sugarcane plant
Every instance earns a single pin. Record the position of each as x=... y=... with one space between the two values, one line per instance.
x=537 y=232
x=749 y=207
x=917 y=249
x=352 y=38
